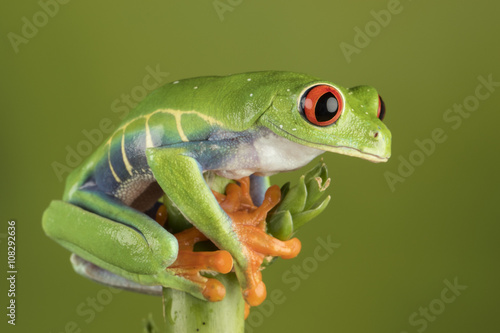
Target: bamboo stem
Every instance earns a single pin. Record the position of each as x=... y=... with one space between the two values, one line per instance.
x=184 y=313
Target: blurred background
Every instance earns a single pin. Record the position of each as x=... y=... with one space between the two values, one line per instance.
x=415 y=240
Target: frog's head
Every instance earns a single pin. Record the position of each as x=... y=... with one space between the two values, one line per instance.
x=325 y=116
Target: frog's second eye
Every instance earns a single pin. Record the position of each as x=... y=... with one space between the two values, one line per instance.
x=381 y=108
x=322 y=105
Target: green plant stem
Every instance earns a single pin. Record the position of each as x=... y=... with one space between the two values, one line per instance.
x=184 y=313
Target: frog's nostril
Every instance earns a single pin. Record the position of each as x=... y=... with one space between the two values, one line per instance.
x=375 y=135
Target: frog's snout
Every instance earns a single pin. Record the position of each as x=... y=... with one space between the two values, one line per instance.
x=382 y=143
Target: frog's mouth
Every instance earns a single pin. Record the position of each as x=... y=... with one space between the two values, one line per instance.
x=343 y=150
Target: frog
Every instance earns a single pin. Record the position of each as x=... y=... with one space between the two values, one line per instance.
x=254 y=125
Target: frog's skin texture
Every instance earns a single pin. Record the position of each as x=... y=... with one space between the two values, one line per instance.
x=233 y=126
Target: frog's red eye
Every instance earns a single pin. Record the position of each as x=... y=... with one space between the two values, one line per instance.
x=381 y=108
x=322 y=105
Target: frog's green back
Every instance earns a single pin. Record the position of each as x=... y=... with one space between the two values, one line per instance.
x=234 y=101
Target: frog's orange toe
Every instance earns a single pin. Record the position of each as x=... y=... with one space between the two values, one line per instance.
x=260 y=242
x=216 y=261
x=221 y=261
x=293 y=247
x=214 y=290
x=257 y=295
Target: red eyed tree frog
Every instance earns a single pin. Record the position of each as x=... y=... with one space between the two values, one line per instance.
x=251 y=124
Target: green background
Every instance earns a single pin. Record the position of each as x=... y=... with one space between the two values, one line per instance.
x=397 y=246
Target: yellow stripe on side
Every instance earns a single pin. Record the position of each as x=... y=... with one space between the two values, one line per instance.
x=179 y=127
x=149 y=141
x=124 y=155
x=111 y=166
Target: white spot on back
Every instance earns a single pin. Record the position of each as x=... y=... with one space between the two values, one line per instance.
x=175 y=82
x=195 y=88
x=249 y=79
x=251 y=95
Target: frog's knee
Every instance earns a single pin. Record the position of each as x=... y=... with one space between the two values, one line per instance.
x=165 y=250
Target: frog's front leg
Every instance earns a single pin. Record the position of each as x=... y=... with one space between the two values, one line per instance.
x=117 y=238
x=179 y=171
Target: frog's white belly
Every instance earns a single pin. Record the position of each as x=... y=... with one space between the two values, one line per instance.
x=266 y=155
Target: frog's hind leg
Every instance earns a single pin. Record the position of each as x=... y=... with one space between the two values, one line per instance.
x=153 y=248
x=102 y=230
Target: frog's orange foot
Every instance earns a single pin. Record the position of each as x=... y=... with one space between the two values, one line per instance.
x=260 y=245
x=189 y=264
x=249 y=223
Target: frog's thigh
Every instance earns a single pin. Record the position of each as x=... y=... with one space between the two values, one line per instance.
x=126 y=246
